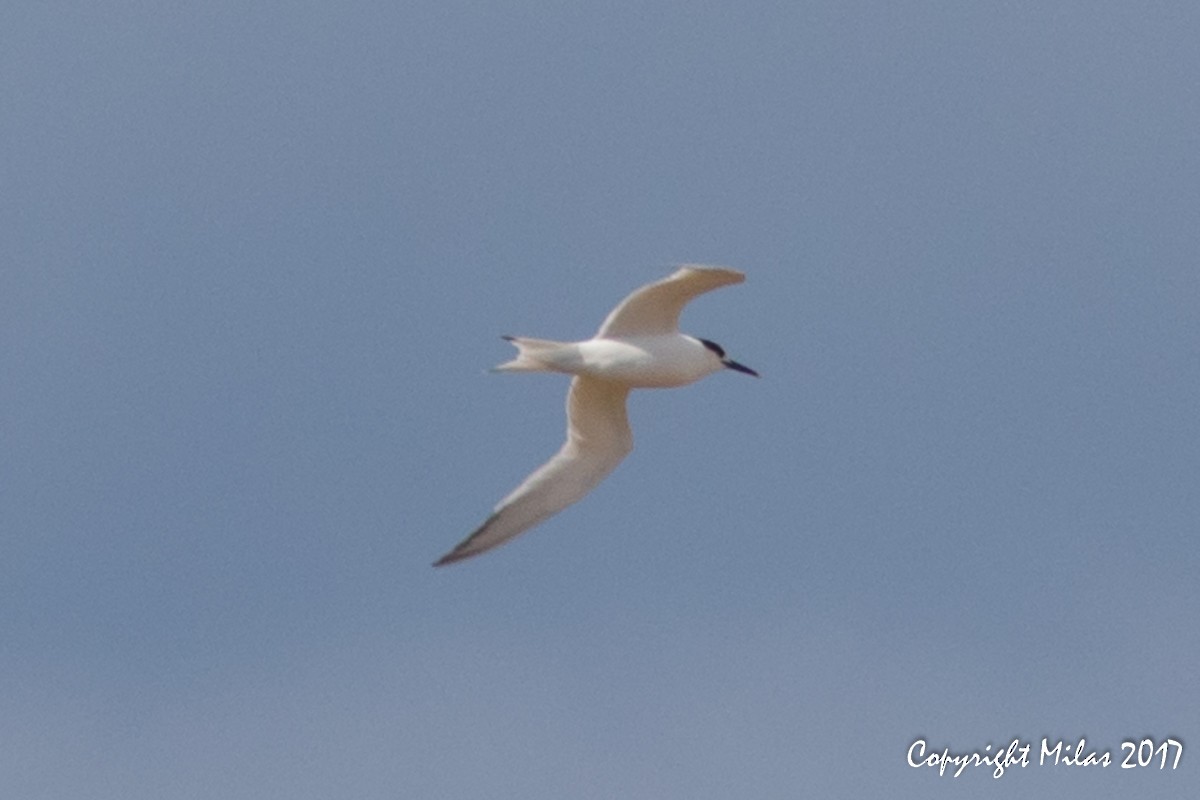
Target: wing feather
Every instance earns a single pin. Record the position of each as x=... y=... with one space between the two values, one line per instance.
x=598 y=438
x=654 y=309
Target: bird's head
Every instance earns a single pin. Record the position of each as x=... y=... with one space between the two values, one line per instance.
x=726 y=361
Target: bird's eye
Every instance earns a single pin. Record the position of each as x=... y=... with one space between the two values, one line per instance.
x=716 y=348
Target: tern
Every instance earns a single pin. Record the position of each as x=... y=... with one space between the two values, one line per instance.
x=639 y=346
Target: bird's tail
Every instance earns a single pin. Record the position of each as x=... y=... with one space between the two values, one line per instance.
x=531 y=355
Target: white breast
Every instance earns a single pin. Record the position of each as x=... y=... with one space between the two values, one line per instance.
x=648 y=361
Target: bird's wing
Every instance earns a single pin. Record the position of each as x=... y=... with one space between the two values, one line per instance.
x=654 y=308
x=598 y=437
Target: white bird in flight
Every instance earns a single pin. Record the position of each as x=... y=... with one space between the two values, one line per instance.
x=638 y=346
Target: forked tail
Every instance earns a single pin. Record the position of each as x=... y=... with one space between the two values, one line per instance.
x=530 y=355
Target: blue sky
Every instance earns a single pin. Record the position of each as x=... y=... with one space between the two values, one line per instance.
x=256 y=260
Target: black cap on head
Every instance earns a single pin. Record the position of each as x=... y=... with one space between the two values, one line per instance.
x=728 y=362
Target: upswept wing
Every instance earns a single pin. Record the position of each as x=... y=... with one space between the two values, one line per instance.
x=598 y=438
x=654 y=309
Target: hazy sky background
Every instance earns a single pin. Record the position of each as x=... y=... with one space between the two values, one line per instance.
x=254 y=262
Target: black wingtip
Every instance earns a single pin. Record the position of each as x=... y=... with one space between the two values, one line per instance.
x=467 y=548
x=454 y=556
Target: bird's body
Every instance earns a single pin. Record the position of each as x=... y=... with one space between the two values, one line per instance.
x=639 y=346
x=640 y=362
